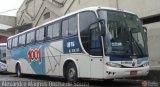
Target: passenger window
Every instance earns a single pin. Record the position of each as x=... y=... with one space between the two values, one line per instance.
x=40 y=34
x=53 y=31
x=56 y=30
x=15 y=42
x=73 y=26
x=22 y=40
x=9 y=43
x=65 y=28
x=69 y=26
x=31 y=37
x=49 y=32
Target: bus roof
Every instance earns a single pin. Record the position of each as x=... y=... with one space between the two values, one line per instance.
x=69 y=14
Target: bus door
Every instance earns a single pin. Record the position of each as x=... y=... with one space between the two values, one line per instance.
x=95 y=52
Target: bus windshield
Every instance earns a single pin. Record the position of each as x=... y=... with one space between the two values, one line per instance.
x=124 y=34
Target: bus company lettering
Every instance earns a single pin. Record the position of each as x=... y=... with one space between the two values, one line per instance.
x=35 y=55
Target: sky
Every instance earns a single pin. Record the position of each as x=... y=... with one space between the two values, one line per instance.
x=9 y=7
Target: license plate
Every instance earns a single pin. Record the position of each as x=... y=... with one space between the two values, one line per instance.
x=133 y=73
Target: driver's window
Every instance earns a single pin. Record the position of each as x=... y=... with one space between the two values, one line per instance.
x=95 y=46
x=89 y=36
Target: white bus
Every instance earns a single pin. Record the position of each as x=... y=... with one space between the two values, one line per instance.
x=94 y=43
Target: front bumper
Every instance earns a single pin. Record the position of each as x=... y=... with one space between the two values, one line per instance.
x=112 y=72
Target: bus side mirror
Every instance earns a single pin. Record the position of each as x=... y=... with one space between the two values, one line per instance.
x=145 y=30
x=103 y=29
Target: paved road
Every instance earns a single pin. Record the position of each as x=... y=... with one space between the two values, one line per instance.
x=35 y=81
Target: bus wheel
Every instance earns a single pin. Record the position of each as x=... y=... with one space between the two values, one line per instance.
x=18 y=71
x=71 y=72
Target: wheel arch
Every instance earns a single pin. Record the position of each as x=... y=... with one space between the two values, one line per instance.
x=67 y=61
x=18 y=63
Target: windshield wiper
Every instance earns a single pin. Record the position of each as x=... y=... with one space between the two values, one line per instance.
x=136 y=44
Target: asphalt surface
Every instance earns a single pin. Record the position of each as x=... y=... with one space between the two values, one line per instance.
x=10 y=80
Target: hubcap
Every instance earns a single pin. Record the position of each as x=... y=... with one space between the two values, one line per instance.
x=72 y=73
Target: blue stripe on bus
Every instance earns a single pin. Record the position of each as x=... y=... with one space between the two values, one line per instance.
x=37 y=66
x=127 y=59
x=120 y=59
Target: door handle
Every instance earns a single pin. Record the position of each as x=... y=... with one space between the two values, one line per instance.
x=100 y=59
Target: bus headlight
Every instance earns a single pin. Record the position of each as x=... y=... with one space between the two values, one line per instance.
x=113 y=65
x=146 y=64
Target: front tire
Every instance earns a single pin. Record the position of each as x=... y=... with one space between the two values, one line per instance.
x=71 y=73
x=18 y=71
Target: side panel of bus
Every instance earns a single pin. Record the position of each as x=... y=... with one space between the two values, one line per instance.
x=48 y=57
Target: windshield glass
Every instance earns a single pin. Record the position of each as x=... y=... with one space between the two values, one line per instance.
x=124 y=34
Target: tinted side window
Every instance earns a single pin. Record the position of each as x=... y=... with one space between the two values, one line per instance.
x=69 y=26
x=73 y=26
x=9 y=44
x=85 y=19
x=95 y=46
x=56 y=30
x=30 y=37
x=53 y=31
x=49 y=32
x=65 y=28
x=22 y=40
x=15 y=42
x=40 y=34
